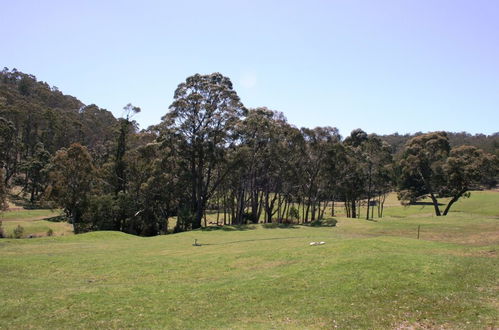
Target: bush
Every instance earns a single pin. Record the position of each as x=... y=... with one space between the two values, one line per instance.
x=50 y=232
x=18 y=231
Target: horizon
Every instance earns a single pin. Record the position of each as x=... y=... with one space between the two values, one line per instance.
x=343 y=64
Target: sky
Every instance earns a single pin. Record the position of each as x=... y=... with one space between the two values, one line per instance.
x=384 y=66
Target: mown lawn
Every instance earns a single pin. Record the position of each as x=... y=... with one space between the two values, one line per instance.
x=369 y=274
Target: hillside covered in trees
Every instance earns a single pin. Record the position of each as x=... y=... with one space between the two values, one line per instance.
x=212 y=154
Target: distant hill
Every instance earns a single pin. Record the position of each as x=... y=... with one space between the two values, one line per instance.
x=42 y=113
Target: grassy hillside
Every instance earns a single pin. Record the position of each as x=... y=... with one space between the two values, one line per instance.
x=369 y=274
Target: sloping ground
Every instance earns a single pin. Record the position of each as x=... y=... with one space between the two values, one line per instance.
x=34 y=223
x=367 y=275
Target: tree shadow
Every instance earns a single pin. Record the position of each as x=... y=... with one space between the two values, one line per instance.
x=425 y=203
x=279 y=225
x=26 y=204
x=58 y=218
x=250 y=240
x=229 y=228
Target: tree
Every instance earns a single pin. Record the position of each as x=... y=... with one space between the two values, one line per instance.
x=35 y=168
x=429 y=167
x=354 y=171
x=120 y=164
x=72 y=177
x=466 y=167
x=156 y=188
x=421 y=167
x=8 y=148
x=377 y=160
x=317 y=143
x=202 y=117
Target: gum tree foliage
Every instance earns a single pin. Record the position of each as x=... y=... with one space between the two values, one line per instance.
x=203 y=116
x=72 y=176
x=429 y=167
x=33 y=112
x=121 y=147
x=35 y=168
x=314 y=153
x=465 y=168
x=353 y=179
x=421 y=167
x=8 y=148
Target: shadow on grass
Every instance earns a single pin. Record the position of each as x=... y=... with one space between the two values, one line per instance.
x=251 y=240
x=59 y=218
x=279 y=225
x=331 y=222
x=26 y=204
x=229 y=228
x=424 y=203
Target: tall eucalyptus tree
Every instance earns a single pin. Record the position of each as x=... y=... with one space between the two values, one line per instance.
x=203 y=116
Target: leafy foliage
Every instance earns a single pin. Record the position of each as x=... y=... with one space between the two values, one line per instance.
x=72 y=178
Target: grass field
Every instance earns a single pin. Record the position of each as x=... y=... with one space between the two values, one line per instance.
x=34 y=222
x=369 y=274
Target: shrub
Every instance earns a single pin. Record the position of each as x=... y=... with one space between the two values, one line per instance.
x=18 y=231
x=50 y=232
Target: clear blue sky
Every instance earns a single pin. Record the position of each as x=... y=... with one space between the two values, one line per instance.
x=383 y=66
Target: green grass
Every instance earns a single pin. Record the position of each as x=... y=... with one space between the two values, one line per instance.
x=34 y=223
x=37 y=227
x=28 y=214
x=369 y=274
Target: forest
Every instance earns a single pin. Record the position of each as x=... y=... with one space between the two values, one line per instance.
x=211 y=154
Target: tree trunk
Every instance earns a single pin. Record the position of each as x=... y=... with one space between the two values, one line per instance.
x=225 y=209
x=453 y=200
x=369 y=193
x=218 y=210
x=435 y=204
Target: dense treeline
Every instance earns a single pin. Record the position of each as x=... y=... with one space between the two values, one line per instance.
x=36 y=120
x=210 y=154
x=488 y=143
